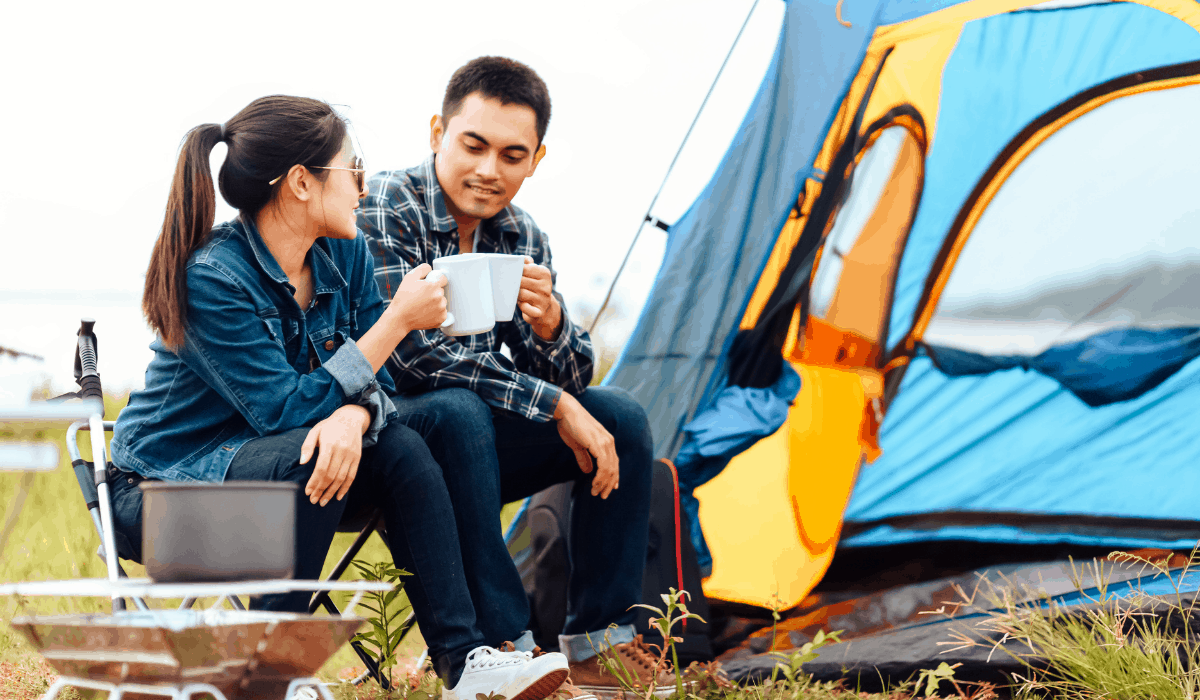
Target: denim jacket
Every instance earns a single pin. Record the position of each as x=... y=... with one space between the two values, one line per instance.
x=243 y=370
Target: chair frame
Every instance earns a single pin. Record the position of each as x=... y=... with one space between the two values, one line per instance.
x=93 y=485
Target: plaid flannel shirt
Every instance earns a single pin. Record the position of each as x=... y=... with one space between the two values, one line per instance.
x=406 y=223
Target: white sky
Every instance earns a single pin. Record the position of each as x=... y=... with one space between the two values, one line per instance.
x=99 y=95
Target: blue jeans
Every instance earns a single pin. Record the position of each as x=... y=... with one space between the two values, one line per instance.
x=397 y=475
x=491 y=459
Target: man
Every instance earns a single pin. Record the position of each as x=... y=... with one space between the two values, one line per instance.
x=504 y=429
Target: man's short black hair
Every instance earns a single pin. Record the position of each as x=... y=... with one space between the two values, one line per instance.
x=499 y=78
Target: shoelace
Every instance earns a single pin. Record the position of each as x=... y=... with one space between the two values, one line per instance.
x=509 y=646
x=638 y=651
x=488 y=657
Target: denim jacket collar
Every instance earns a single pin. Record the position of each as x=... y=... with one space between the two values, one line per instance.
x=245 y=368
x=326 y=277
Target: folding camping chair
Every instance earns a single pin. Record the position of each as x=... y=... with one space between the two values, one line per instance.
x=92 y=482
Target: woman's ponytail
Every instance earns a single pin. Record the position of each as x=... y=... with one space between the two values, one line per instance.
x=191 y=209
x=265 y=139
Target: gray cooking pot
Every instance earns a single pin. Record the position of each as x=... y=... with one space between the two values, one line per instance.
x=235 y=531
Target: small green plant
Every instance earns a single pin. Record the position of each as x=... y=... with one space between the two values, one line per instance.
x=676 y=602
x=932 y=679
x=664 y=621
x=776 y=606
x=387 y=625
x=791 y=670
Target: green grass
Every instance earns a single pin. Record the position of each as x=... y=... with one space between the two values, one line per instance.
x=53 y=538
x=1105 y=653
x=1110 y=649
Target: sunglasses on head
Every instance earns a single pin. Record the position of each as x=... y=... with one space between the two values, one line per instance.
x=360 y=172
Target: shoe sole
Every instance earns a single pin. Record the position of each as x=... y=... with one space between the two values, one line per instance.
x=543 y=687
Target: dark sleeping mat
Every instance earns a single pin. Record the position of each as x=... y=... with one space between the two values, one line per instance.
x=887 y=658
x=873 y=662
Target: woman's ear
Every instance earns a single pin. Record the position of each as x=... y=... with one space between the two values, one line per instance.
x=299 y=183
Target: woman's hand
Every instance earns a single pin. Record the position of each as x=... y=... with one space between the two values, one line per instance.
x=420 y=305
x=339 y=441
x=587 y=438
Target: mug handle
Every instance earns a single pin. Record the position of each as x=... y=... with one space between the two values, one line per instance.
x=433 y=276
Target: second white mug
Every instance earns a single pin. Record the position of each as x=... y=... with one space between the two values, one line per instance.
x=506 y=283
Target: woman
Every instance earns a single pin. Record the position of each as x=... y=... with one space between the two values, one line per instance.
x=271 y=337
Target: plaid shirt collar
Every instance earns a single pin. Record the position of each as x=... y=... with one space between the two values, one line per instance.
x=440 y=221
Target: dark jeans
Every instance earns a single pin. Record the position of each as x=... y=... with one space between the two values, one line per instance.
x=397 y=475
x=489 y=460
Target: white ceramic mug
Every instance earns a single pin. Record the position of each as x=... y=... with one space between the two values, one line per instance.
x=506 y=283
x=468 y=293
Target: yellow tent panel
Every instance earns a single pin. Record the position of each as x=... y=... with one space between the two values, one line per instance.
x=807 y=467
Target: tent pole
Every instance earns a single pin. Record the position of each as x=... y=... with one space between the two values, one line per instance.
x=649 y=209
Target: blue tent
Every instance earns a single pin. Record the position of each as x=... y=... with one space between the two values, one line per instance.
x=983 y=214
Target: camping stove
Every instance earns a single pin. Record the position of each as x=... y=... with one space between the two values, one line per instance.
x=229 y=654
x=236 y=653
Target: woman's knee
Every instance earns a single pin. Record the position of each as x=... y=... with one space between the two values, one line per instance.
x=273 y=458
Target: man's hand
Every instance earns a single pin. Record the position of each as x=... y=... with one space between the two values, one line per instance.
x=538 y=306
x=587 y=439
x=339 y=438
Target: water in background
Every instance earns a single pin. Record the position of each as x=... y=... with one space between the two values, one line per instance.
x=45 y=324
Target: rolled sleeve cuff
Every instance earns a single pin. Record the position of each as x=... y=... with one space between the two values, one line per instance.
x=542 y=401
x=382 y=409
x=552 y=349
x=351 y=369
x=353 y=372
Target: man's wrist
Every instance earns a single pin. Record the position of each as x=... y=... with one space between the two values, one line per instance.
x=563 y=406
x=550 y=330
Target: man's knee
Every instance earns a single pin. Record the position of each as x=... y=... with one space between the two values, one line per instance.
x=401 y=457
x=446 y=410
x=621 y=415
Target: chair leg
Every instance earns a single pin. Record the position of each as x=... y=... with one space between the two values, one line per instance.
x=118 y=604
x=321 y=598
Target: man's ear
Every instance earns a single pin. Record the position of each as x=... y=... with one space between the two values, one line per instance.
x=537 y=158
x=436 y=131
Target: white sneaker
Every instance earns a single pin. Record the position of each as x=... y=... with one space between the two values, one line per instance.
x=516 y=675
